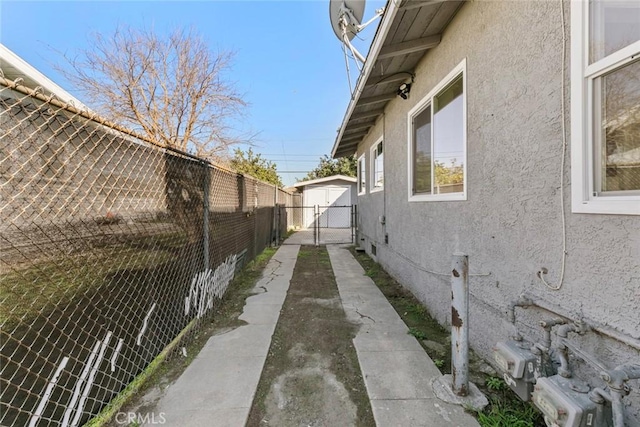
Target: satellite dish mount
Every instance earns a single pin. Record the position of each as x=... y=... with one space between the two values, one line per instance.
x=346 y=17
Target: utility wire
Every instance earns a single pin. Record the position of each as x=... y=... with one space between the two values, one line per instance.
x=542 y=272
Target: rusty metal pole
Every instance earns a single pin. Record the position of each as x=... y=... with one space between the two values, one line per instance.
x=460 y=324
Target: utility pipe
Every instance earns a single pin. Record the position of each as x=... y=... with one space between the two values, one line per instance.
x=616 y=380
x=525 y=301
x=563 y=351
x=542 y=349
x=599 y=397
x=460 y=323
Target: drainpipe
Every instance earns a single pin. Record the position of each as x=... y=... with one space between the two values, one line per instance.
x=616 y=379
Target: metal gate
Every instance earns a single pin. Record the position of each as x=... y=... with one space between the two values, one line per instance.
x=321 y=225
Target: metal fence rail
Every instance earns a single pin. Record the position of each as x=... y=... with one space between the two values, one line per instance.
x=109 y=248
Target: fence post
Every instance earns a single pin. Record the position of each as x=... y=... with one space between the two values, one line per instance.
x=460 y=323
x=316 y=225
x=276 y=220
x=205 y=218
x=354 y=218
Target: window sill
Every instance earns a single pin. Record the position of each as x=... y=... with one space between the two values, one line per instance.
x=376 y=190
x=457 y=197
x=607 y=207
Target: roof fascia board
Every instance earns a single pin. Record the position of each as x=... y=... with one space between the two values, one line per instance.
x=387 y=19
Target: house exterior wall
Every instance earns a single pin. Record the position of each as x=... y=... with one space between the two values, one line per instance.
x=511 y=223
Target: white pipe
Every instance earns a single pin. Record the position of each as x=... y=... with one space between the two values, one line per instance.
x=83 y=376
x=47 y=393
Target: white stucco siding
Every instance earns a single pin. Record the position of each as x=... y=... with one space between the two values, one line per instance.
x=511 y=223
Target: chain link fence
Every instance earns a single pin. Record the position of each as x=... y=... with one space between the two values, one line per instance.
x=110 y=247
x=322 y=225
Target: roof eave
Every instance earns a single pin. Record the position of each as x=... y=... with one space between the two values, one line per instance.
x=391 y=9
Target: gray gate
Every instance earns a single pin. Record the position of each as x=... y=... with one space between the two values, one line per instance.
x=321 y=225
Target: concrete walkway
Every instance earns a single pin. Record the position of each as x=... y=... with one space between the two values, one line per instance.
x=328 y=236
x=397 y=371
x=218 y=388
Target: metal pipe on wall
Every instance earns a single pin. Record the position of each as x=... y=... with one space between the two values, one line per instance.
x=460 y=324
x=526 y=300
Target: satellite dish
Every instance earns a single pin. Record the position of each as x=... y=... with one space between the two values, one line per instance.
x=346 y=16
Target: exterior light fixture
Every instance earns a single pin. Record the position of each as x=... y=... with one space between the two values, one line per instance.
x=403 y=90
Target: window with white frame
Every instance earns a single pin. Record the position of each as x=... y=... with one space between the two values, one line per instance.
x=605 y=112
x=377 y=166
x=362 y=175
x=438 y=142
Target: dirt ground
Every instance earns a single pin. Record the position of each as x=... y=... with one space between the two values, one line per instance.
x=312 y=376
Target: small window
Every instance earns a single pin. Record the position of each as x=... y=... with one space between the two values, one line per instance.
x=438 y=142
x=362 y=175
x=377 y=166
x=605 y=107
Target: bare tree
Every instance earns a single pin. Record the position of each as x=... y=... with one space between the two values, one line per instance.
x=173 y=88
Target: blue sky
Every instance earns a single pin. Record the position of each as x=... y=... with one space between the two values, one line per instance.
x=288 y=63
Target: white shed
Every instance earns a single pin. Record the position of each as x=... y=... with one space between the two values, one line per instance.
x=334 y=196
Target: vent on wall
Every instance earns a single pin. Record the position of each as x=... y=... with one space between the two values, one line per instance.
x=373 y=250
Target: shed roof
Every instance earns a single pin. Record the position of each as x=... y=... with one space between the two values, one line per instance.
x=409 y=28
x=349 y=179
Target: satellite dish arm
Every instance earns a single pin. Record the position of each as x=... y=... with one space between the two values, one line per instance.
x=378 y=14
x=353 y=50
x=348 y=25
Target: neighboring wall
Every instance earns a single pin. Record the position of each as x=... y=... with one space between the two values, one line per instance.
x=511 y=224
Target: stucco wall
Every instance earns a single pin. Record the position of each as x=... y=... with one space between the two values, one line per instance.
x=511 y=223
